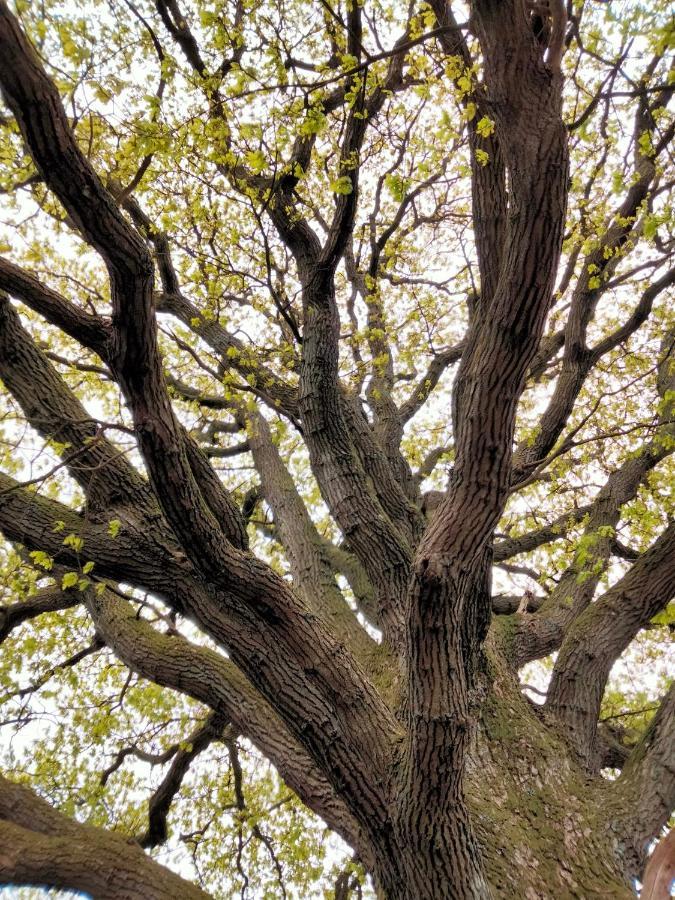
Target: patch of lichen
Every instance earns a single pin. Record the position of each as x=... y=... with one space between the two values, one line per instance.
x=383 y=669
x=537 y=815
x=503 y=631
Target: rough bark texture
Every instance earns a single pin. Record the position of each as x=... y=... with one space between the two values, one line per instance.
x=421 y=750
x=41 y=846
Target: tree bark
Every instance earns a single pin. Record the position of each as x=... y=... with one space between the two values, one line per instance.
x=39 y=845
x=447 y=781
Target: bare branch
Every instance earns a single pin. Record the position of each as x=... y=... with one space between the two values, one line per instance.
x=86 y=328
x=508 y=547
x=162 y=798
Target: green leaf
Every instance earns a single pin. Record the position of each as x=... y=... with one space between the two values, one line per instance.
x=485 y=127
x=256 y=161
x=342 y=185
x=74 y=541
x=69 y=580
x=42 y=559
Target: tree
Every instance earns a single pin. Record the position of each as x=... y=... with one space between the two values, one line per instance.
x=315 y=320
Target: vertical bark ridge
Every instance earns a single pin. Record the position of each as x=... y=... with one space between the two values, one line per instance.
x=380 y=546
x=449 y=605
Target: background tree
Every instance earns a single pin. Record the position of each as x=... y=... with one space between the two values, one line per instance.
x=316 y=320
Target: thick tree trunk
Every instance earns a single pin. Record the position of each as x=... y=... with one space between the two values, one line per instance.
x=540 y=826
x=544 y=825
x=447 y=622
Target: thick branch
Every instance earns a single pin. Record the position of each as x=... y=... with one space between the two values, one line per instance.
x=646 y=787
x=87 y=329
x=53 y=410
x=500 y=345
x=488 y=180
x=578 y=359
x=139 y=556
x=39 y=846
x=44 y=601
x=94 y=462
x=449 y=606
x=660 y=870
x=311 y=571
x=269 y=633
x=206 y=676
x=35 y=102
x=599 y=636
x=345 y=563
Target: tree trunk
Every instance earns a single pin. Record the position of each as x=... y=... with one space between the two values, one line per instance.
x=539 y=825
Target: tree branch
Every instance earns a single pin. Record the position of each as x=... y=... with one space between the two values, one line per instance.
x=46 y=600
x=174 y=662
x=311 y=571
x=488 y=179
x=646 y=787
x=578 y=359
x=449 y=604
x=599 y=636
x=660 y=870
x=42 y=846
x=252 y=611
x=160 y=803
x=509 y=547
x=542 y=634
x=53 y=410
x=87 y=329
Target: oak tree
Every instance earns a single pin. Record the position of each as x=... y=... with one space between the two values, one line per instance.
x=338 y=379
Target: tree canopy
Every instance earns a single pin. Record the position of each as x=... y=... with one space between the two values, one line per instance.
x=337 y=384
